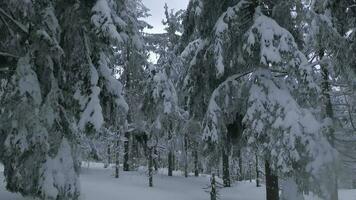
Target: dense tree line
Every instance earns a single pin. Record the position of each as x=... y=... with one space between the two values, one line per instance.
x=242 y=89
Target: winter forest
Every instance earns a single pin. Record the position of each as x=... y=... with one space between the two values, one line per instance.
x=233 y=100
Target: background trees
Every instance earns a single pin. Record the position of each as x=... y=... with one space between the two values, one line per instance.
x=269 y=84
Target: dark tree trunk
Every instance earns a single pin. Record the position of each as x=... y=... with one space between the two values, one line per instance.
x=196 y=167
x=226 y=172
x=109 y=154
x=241 y=177
x=150 y=168
x=170 y=163
x=257 y=173
x=126 y=166
x=272 y=188
x=185 y=156
x=117 y=161
x=155 y=161
x=250 y=171
x=213 y=192
x=108 y=157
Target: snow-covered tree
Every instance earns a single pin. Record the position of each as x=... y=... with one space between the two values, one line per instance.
x=246 y=63
x=132 y=61
x=62 y=90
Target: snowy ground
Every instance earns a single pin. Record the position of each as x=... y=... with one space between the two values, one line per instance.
x=98 y=184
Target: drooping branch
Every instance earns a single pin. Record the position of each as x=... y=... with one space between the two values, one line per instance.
x=17 y=23
x=5 y=54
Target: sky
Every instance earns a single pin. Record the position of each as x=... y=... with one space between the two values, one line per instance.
x=157 y=11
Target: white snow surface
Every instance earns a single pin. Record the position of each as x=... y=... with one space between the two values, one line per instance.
x=99 y=183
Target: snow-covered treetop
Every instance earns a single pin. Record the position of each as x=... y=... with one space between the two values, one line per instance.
x=107 y=21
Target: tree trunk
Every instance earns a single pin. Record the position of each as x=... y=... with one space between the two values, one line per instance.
x=170 y=154
x=272 y=188
x=226 y=172
x=257 y=173
x=108 y=162
x=196 y=167
x=155 y=161
x=117 y=161
x=150 y=168
x=250 y=170
x=213 y=192
x=170 y=163
x=126 y=153
x=240 y=166
x=185 y=155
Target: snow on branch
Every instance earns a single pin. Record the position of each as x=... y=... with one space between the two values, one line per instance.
x=221 y=33
x=106 y=21
x=276 y=121
x=276 y=46
x=225 y=102
x=112 y=84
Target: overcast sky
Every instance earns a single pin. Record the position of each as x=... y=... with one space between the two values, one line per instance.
x=157 y=11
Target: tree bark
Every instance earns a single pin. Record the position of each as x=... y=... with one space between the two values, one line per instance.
x=185 y=156
x=150 y=168
x=272 y=188
x=213 y=192
x=126 y=166
x=257 y=173
x=250 y=170
x=241 y=177
x=226 y=172
x=155 y=161
x=196 y=167
x=170 y=163
x=117 y=161
x=108 y=157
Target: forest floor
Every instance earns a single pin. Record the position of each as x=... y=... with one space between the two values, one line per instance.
x=98 y=183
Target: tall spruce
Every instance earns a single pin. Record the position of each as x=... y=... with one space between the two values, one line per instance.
x=62 y=90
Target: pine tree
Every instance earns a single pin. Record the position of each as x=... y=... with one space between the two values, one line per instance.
x=62 y=93
x=240 y=59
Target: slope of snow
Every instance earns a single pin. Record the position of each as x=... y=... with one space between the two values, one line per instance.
x=98 y=183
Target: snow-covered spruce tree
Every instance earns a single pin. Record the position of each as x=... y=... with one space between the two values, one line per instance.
x=245 y=63
x=62 y=90
x=330 y=43
x=161 y=110
x=164 y=45
x=132 y=60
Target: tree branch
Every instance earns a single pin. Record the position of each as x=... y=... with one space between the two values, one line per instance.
x=17 y=23
x=5 y=54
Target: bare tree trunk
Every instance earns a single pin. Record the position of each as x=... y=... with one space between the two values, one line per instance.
x=250 y=170
x=196 y=167
x=170 y=163
x=240 y=166
x=226 y=172
x=155 y=161
x=185 y=155
x=126 y=153
x=257 y=173
x=213 y=192
x=272 y=188
x=117 y=161
x=150 y=168
x=108 y=161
